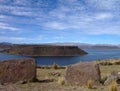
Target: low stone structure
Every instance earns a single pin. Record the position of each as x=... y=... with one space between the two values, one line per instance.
x=15 y=70
x=115 y=76
x=81 y=73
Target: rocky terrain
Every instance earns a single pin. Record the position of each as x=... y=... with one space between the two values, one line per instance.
x=54 y=78
x=49 y=82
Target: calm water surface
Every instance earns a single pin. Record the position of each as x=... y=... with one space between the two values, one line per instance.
x=91 y=56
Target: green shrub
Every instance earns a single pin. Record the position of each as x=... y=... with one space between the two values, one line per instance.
x=89 y=84
x=55 y=66
x=113 y=86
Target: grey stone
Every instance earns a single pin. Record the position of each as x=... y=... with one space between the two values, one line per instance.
x=115 y=76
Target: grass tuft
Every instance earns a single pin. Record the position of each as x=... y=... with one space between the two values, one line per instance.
x=113 y=86
x=89 y=84
x=61 y=81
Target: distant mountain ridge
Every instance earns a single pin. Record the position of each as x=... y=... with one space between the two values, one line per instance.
x=99 y=46
x=5 y=45
x=89 y=46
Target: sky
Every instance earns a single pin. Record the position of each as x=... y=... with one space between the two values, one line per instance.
x=48 y=21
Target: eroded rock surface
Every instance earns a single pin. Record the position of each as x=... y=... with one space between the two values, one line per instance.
x=81 y=73
x=15 y=70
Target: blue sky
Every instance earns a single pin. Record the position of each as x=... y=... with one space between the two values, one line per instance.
x=46 y=21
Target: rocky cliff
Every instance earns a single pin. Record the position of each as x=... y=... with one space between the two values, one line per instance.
x=45 y=50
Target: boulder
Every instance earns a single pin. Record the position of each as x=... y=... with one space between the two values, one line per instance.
x=115 y=76
x=16 y=70
x=81 y=73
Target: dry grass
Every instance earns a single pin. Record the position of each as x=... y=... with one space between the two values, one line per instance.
x=106 y=70
x=89 y=84
x=113 y=86
x=109 y=62
x=61 y=81
x=43 y=73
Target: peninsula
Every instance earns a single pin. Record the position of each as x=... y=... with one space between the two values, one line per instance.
x=45 y=50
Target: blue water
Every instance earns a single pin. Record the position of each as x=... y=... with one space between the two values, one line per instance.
x=67 y=60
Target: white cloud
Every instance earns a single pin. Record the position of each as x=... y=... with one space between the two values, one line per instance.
x=2 y=16
x=22 y=13
x=101 y=16
x=77 y=22
x=6 y=26
x=87 y=22
x=12 y=38
x=56 y=25
x=104 y=4
x=21 y=2
x=15 y=39
x=83 y=16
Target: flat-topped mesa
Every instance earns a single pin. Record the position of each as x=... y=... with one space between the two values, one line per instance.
x=45 y=50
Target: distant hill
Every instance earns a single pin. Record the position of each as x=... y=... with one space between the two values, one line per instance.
x=5 y=45
x=45 y=50
x=99 y=46
x=105 y=47
x=89 y=46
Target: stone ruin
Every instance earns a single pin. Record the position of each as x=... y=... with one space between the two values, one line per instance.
x=15 y=70
x=81 y=73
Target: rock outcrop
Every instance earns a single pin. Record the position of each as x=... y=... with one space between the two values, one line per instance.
x=115 y=76
x=16 y=70
x=45 y=50
x=81 y=73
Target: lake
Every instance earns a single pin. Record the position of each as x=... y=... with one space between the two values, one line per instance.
x=67 y=60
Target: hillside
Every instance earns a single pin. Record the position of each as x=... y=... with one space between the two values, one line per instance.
x=5 y=45
x=45 y=50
